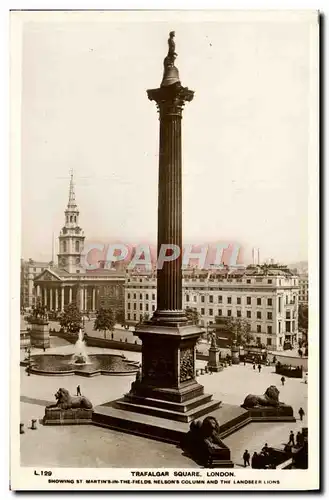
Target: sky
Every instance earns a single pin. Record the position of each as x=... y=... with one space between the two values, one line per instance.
x=245 y=134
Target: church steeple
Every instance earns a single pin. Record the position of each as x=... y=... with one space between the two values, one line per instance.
x=71 y=237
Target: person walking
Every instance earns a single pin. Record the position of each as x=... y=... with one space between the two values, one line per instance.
x=259 y=368
x=299 y=439
x=283 y=380
x=254 y=460
x=254 y=366
x=291 y=439
x=246 y=458
x=301 y=413
x=78 y=391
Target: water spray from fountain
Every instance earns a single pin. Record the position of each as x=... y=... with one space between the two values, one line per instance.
x=80 y=356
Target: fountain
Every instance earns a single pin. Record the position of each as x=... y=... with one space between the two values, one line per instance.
x=81 y=363
x=80 y=356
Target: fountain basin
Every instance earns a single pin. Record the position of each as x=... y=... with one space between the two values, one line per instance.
x=98 y=364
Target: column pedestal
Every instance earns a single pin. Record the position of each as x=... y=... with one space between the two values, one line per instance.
x=213 y=363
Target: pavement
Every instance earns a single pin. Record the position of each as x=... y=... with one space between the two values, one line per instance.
x=91 y=446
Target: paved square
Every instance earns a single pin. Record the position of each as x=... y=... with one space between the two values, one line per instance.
x=91 y=446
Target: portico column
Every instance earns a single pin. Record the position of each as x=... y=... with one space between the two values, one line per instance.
x=86 y=299
x=45 y=298
x=81 y=299
x=70 y=295
x=56 y=299
x=50 y=299
x=62 y=299
x=94 y=299
x=38 y=290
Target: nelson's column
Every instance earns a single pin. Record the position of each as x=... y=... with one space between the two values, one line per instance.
x=166 y=395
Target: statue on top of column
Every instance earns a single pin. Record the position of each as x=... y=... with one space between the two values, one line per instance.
x=170 y=74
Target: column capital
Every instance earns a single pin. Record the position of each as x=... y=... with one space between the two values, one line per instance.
x=170 y=100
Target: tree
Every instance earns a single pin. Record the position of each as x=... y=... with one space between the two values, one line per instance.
x=120 y=316
x=71 y=318
x=303 y=317
x=104 y=320
x=240 y=329
x=192 y=315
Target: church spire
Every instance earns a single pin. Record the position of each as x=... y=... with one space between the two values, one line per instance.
x=72 y=203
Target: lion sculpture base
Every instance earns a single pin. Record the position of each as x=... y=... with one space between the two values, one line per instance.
x=68 y=410
x=204 y=445
x=267 y=407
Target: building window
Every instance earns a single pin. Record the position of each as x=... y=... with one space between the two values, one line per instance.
x=288 y=326
x=140 y=296
x=248 y=301
x=248 y=314
x=259 y=315
x=288 y=315
x=211 y=298
x=147 y=296
x=134 y=296
x=229 y=300
x=269 y=302
x=269 y=329
x=128 y=305
x=134 y=317
x=219 y=312
x=279 y=326
x=202 y=311
x=140 y=307
x=238 y=300
x=153 y=296
x=248 y=281
x=146 y=307
x=128 y=296
x=229 y=312
x=194 y=298
x=187 y=298
x=259 y=302
x=220 y=299
x=269 y=315
x=153 y=308
x=64 y=246
x=210 y=312
x=279 y=306
x=77 y=246
x=259 y=328
x=202 y=298
x=134 y=307
x=258 y=340
x=269 y=341
x=270 y=283
x=238 y=313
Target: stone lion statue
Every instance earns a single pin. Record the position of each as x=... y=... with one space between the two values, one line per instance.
x=66 y=402
x=270 y=398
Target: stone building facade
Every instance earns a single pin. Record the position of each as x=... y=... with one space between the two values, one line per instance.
x=267 y=297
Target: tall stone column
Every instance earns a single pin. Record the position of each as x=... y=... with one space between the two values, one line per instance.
x=70 y=295
x=169 y=339
x=86 y=299
x=45 y=296
x=94 y=299
x=81 y=303
x=50 y=299
x=62 y=299
x=56 y=299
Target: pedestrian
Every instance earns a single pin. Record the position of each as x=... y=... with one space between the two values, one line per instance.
x=254 y=461
x=274 y=360
x=44 y=348
x=283 y=380
x=259 y=368
x=301 y=413
x=78 y=391
x=254 y=366
x=244 y=361
x=265 y=449
x=246 y=458
x=299 y=439
x=291 y=439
